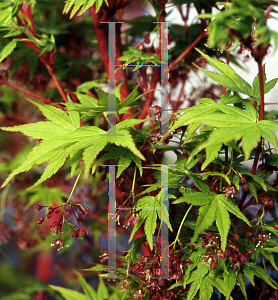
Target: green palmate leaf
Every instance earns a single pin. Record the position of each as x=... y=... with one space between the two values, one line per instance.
x=211 y=154
x=135 y=55
x=241 y=282
x=193 y=290
x=102 y=291
x=150 y=225
x=270 y=257
x=71 y=141
x=52 y=167
x=272 y=160
x=75 y=157
x=223 y=222
x=230 y=282
x=40 y=130
x=8 y=50
x=195 y=111
x=136 y=248
x=231 y=207
x=44 y=152
x=202 y=270
x=83 y=5
x=86 y=86
x=214 y=207
x=123 y=164
x=129 y=123
x=257 y=179
x=150 y=207
x=219 y=284
x=274 y=249
x=96 y=268
x=69 y=294
x=131 y=99
x=267 y=86
x=251 y=269
x=205 y=219
x=207 y=174
x=206 y=289
x=125 y=141
x=56 y=115
x=45 y=195
x=236 y=124
x=91 y=152
x=74 y=115
x=196 y=198
x=88 y=290
x=229 y=77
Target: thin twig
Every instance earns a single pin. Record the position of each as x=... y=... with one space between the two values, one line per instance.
x=57 y=83
x=193 y=44
x=44 y=100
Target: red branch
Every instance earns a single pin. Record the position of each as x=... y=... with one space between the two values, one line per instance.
x=44 y=100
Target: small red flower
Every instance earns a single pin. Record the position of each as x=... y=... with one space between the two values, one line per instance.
x=38 y=207
x=58 y=243
x=40 y=220
x=229 y=191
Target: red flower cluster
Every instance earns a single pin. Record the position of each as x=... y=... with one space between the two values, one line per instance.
x=77 y=210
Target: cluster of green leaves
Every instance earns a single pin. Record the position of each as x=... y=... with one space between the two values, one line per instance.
x=89 y=292
x=232 y=122
x=236 y=23
x=9 y=24
x=203 y=279
x=62 y=137
x=82 y=6
x=135 y=55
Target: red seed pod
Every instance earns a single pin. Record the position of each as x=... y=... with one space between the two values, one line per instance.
x=245 y=187
x=80 y=219
x=155 y=259
x=73 y=234
x=67 y=212
x=253 y=239
x=242 y=179
x=38 y=207
x=49 y=215
x=236 y=236
x=140 y=46
x=211 y=188
x=243 y=258
x=40 y=220
x=248 y=233
x=187 y=260
x=266 y=201
x=213 y=265
x=147 y=41
x=276 y=226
